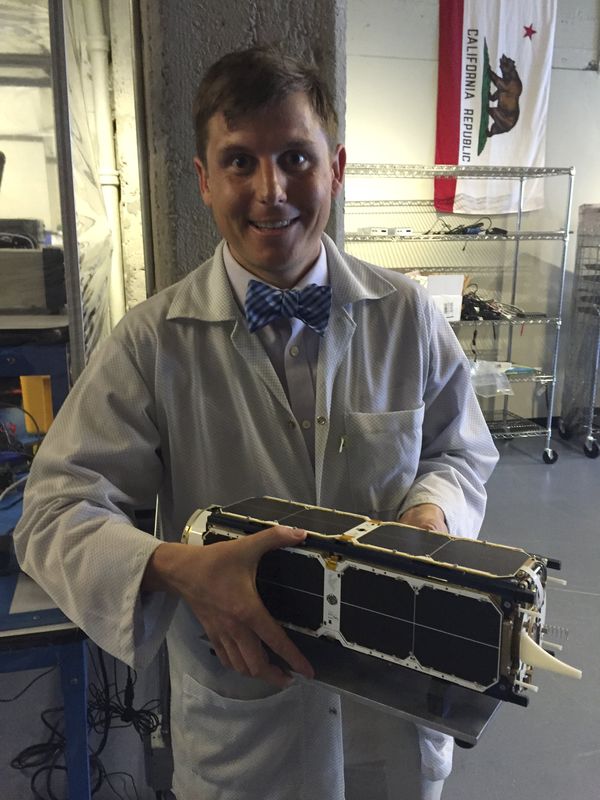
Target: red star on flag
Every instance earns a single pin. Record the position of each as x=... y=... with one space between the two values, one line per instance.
x=529 y=31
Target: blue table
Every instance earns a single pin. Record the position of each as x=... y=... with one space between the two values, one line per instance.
x=39 y=638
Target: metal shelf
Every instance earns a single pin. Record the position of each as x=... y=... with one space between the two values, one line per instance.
x=515 y=321
x=534 y=377
x=454 y=237
x=448 y=253
x=452 y=269
x=506 y=425
x=453 y=171
x=426 y=204
x=579 y=413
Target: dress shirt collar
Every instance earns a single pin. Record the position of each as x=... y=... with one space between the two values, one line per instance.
x=240 y=277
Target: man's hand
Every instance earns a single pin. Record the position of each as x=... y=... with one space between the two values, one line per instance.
x=427 y=516
x=218 y=583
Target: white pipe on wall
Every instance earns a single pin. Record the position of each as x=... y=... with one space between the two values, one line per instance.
x=98 y=47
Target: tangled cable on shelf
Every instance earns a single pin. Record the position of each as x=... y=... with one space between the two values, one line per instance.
x=475 y=307
x=109 y=707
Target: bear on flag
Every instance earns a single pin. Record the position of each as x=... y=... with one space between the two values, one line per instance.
x=495 y=61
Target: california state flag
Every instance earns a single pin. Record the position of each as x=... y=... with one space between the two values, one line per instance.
x=495 y=60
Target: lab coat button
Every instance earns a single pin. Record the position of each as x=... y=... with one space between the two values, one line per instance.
x=294 y=350
x=306 y=424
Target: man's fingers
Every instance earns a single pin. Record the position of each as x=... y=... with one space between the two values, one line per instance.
x=245 y=654
x=235 y=656
x=257 y=662
x=273 y=635
x=221 y=654
x=260 y=621
x=272 y=674
x=225 y=648
x=238 y=628
x=272 y=538
x=428 y=516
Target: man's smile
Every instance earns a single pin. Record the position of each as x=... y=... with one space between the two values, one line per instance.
x=272 y=224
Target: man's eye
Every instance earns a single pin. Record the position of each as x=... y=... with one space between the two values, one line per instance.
x=241 y=163
x=295 y=160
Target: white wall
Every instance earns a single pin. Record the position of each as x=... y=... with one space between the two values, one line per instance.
x=391 y=81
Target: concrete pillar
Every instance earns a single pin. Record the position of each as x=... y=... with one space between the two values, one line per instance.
x=180 y=39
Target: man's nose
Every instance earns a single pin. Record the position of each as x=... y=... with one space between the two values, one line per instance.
x=270 y=183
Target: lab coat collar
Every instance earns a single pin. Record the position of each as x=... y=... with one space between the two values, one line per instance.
x=206 y=294
x=353 y=280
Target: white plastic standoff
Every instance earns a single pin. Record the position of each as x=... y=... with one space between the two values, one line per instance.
x=536 y=656
x=529 y=686
x=552 y=581
x=551 y=646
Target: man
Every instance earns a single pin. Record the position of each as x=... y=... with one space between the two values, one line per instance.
x=201 y=397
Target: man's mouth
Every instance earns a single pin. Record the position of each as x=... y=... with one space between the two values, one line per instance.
x=271 y=225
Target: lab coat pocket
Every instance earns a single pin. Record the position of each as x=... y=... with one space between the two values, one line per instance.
x=239 y=744
x=383 y=452
x=245 y=748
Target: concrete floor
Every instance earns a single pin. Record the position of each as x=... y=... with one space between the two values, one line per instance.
x=549 y=751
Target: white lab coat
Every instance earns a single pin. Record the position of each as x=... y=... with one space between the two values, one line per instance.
x=182 y=401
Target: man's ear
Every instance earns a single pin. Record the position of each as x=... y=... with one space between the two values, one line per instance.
x=338 y=167
x=203 y=183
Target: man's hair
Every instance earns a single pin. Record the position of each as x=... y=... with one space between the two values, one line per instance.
x=248 y=80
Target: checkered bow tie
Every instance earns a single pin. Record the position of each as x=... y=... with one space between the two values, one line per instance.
x=311 y=305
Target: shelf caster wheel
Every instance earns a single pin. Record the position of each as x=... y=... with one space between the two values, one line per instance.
x=563 y=431
x=591 y=449
x=550 y=456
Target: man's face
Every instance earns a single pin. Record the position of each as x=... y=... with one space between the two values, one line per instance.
x=269 y=179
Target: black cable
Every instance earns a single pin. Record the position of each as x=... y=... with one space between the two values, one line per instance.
x=29 y=685
x=53 y=768
x=103 y=709
x=45 y=756
x=47 y=771
x=108 y=775
x=107 y=703
x=16 y=241
x=27 y=413
x=9 y=442
x=443 y=222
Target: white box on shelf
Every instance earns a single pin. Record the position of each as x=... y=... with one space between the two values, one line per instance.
x=450 y=305
x=446 y=291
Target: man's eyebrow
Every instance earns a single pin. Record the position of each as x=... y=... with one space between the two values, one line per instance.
x=292 y=144
x=299 y=144
x=231 y=149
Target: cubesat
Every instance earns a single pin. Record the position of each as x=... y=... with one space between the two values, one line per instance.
x=466 y=611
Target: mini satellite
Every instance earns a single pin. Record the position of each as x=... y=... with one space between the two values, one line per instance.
x=465 y=611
